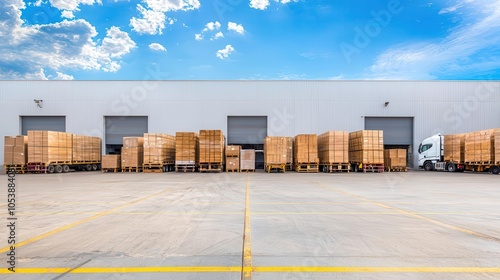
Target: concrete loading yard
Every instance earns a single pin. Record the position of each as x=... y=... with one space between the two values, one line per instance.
x=417 y=225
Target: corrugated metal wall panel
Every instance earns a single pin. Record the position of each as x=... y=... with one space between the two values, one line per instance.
x=292 y=107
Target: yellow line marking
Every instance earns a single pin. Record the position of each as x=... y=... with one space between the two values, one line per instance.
x=412 y=214
x=247 y=239
x=262 y=269
x=63 y=228
x=96 y=270
x=356 y=269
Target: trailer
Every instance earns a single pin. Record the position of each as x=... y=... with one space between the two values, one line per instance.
x=453 y=153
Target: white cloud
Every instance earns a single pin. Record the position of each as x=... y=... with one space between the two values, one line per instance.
x=238 y=28
x=172 y=5
x=259 y=4
x=217 y=36
x=62 y=76
x=157 y=47
x=152 y=22
x=38 y=3
x=212 y=26
x=67 y=14
x=263 y=4
x=72 y=5
x=224 y=53
x=428 y=59
x=198 y=37
x=29 y=50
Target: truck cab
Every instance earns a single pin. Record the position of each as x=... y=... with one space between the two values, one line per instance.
x=430 y=151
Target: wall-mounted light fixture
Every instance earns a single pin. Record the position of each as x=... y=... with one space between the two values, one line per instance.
x=386 y=104
x=38 y=102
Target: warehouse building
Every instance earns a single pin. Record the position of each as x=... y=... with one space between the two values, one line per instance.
x=248 y=111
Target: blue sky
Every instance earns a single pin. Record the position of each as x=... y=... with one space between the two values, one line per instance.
x=249 y=39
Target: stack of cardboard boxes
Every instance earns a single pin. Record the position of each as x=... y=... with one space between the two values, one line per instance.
x=15 y=150
x=111 y=162
x=132 y=152
x=50 y=147
x=305 y=148
x=159 y=149
x=86 y=149
x=454 y=148
x=187 y=148
x=212 y=146
x=333 y=147
x=247 y=160
x=497 y=146
x=366 y=146
x=480 y=146
x=277 y=150
x=395 y=158
x=233 y=158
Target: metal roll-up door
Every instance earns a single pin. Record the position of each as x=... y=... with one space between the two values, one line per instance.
x=53 y=123
x=119 y=127
x=246 y=129
x=397 y=130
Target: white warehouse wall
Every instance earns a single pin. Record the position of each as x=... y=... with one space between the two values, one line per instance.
x=292 y=107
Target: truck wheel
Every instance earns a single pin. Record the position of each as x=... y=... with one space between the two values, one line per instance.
x=88 y=167
x=495 y=169
x=58 y=169
x=94 y=167
x=65 y=169
x=428 y=166
x=451 y=167
x=50 y=169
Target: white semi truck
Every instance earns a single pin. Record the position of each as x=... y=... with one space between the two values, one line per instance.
x=431 y=157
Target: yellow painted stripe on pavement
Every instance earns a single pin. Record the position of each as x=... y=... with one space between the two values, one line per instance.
x=63 y=228
x=261 y=269
x=247 y=239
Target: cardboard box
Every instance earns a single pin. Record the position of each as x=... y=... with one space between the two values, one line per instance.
x=212 y=146
x=8 y=154
x=233 y=151
x=133 y=142
x=333 y=147
x=247 y=159
x=132 y=157
x=10 y=141
x=187 y=148
x=366 y=146
x=395 y=158
x=233 y=163
x=159 y=148
x=277 y=150
x=111 y=161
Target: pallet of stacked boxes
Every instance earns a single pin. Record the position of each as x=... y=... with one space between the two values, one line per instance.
x=15 y=153
x=276 y=153
x=132 y=154
x=333 y=151
x=111 y=163
x=366 y=150
x=247 y=160
x=212 y=147
x=305 y=153
x=186 y=151
x=233 y=158
x=53 y=151
x=395 y=160
x=481 y=151
x=159 y=152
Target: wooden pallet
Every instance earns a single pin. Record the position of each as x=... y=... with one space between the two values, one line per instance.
x=18 y=168
x=185 y=168
x=132 y=169
x=210 y=167
x=275 y=166
x=396 y=169
x=110 y=170
x=335 y=167
x=373 y=167
x=247 y=170
x=152 y=168
x=307 y=167
x=479 y=162
x=233 y=170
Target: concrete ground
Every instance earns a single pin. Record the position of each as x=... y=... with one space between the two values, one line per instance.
x=415 y=225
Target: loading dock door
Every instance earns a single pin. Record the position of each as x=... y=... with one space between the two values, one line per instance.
x=398 y=132
x=248 y=132
x=119 y=127
x=53 y=123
